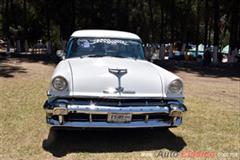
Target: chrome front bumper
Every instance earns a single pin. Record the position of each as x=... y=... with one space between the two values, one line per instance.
x=149 y=124
x=164 y=116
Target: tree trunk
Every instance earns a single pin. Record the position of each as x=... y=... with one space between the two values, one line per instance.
x=152 y=34
x=23 y=39
x=6 y=22
x=92 y=14
x=49 y=47
x=216 y=30
x=18 y=46
x=183 y=48
x=162 y=24
x=162 y=50
x=198 y=23
x=206 y=26
x=25 y=16
x=210 y=32
x=234 y=31
x=172 y=19
x=26 y=47
x=8 y=47
x=118 y=14
x=162 y=46
x=73 y=26
x=47 y=20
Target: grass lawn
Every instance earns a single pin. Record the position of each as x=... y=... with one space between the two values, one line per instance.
x=212 y=123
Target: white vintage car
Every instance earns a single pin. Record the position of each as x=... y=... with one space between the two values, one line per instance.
x=103 y=81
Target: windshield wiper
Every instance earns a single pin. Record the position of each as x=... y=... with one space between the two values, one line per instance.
x=93 y=55
x=118 y=56
x=101 y=55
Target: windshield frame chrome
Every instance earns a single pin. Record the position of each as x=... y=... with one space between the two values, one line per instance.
x=70 y=42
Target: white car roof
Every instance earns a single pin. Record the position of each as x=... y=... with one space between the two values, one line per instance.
x=105 y=34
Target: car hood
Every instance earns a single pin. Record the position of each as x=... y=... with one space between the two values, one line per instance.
x=91 y=77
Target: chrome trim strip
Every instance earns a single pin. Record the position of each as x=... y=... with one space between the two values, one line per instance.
x=142 y=124
x=61 y=119
x=90 y=117
x=91 y=109
x=118 y=97
x=146 y=118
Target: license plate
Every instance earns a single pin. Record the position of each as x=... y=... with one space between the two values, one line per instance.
x=119 y=117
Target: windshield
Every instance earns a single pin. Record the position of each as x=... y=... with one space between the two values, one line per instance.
x=99 y=47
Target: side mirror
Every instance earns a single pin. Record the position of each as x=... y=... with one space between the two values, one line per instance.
x=61 y=54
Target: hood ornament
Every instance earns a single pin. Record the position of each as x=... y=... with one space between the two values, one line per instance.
x=118 y=73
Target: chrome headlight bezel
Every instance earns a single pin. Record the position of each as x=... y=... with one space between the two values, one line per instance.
x=176 y=87
x=59 y=83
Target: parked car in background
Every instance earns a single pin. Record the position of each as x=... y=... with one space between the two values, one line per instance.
x=2 y=44
x=104 y=81
x=194 y=52
x=39 y=48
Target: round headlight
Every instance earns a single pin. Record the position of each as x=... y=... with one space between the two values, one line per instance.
x=176 y=86
x=59 y=83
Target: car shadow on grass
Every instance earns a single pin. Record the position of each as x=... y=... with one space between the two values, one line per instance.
x=62 y=142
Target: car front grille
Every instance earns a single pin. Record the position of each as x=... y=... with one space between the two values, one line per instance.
x=82 y=117
x=78 y=116
x=115 y=102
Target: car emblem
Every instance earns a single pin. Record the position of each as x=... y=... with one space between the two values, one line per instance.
x=118 y=73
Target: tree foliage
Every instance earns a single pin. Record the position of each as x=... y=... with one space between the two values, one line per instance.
x=156 y=21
